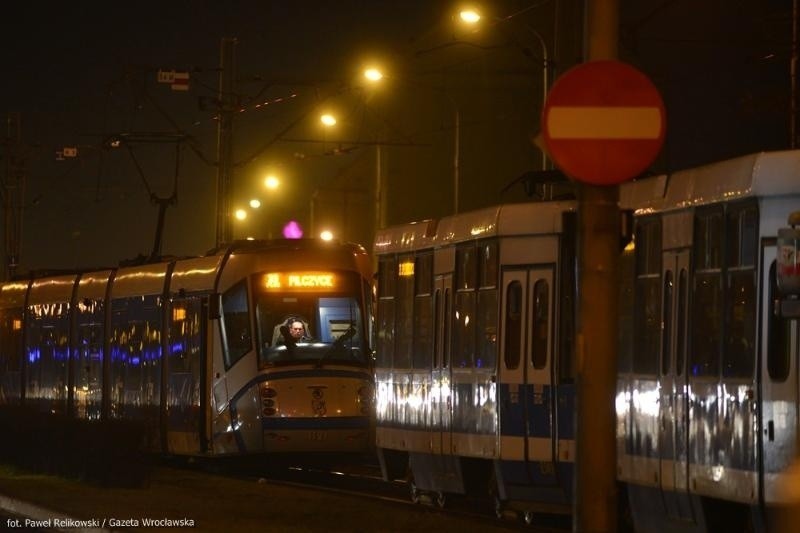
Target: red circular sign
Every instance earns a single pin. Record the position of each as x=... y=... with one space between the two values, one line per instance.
x=603 y=122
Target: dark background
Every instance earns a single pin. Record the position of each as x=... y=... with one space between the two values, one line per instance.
x=79 y=74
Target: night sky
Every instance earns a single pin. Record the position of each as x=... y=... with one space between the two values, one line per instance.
x=79 y=74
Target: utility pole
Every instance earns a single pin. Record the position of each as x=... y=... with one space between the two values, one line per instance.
x=13 y=191
x=793 y=79
x=226 y=103
x=598 y=230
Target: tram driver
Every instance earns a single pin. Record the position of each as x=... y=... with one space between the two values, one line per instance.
x=291 y=331
x=297 y=330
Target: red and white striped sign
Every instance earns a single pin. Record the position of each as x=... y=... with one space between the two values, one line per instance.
x=180 y=81
x=604 y=122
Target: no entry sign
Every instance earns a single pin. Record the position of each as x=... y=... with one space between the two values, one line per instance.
x=603 y=122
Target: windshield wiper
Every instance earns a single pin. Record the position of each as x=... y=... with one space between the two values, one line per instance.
x=338 y=344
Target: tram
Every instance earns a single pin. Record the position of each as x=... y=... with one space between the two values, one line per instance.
x=475 y=364
x=475 y=354
x=196 y=351
x=707 y=396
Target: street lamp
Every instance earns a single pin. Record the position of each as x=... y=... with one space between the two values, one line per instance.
x=374 y=75
x=271 y=182
x=472 y=17
x=327 y=119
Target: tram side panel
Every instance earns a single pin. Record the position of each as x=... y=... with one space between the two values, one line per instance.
x=12 y=305
x=502 y=398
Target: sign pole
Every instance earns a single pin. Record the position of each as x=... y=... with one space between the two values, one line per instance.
x=603 y=123
x=598 y=231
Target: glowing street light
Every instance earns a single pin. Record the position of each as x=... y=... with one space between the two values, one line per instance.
x=255 y=203
x=470 y=16
x=326 y=235
x=271 y=182
x=328 y=120
x=373 y=74
x=240 y=214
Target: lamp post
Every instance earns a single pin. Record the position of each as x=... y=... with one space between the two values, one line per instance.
x=375 y=75
x=472 y=17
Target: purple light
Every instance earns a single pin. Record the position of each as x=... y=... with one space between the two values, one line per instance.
x=292 y=230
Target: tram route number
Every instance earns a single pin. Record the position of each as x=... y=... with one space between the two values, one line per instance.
x=316 y=435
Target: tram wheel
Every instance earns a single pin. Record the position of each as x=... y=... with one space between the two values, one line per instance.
x=499 y=508
x=527 y=517
x=441 y=499
x=414 y=492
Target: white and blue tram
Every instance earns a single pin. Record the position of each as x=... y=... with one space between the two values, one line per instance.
x=475 y=349
x=708 y=382
x=192 y=349
x=474 y=367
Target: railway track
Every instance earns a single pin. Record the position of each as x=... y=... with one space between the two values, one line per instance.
x=363 y=480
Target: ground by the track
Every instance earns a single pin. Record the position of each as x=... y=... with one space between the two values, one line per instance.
x=188 y=500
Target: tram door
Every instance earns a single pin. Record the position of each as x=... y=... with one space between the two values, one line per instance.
x=525 y=388
x=674 y=415
x=442 y=437
x=779 y=382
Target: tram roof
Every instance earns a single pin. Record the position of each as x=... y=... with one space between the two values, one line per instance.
x=530 y=218
x=760 y=174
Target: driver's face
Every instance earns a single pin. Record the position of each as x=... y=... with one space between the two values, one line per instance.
x=296 y=330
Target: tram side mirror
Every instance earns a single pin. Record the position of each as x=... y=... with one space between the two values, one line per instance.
x=788 y=269
x=625 y=228
x=215 y=306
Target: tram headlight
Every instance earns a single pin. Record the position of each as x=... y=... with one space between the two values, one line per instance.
x=268 y=401
x=365 y=396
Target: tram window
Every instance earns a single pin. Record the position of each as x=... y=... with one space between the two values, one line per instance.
x=778 y=334
x=666 y=331
x=466 y=267
x=236 y=322
x=706 y=324
x=488 y=264
x=463 y=354
x=387 y=287
x=739 y=357
x=10 y=341
x=446 y=328
x=742 y=232
x=47 y=356
x=422 y=354
x=647 y=320
x=513 y=325
x=486 y=356
x=185 y=359
x=708 y=240
x=742 y=235
x=423 y=332
x=87 y=363
x=387 y=276
x=707 y=296
x=385 y=347
x=404 y=318
x=681 y=337
x=423 y=274
x=541 y=324
x=135 y=354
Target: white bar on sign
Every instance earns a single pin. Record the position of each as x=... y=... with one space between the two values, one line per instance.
x=587 y=122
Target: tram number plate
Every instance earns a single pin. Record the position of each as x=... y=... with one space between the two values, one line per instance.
x=316 y=435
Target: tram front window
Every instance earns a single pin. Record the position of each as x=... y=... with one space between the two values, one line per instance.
x=309 y=318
